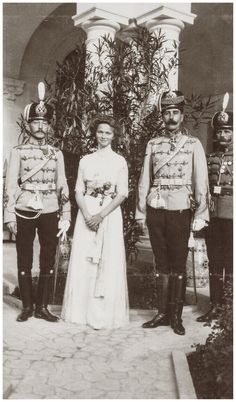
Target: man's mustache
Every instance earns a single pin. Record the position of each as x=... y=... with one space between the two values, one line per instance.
x=172 y=122
x=223 y=139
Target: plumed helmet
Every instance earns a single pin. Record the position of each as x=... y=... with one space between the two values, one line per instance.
x=40 y=110
x=223 y=119
x=172 y=100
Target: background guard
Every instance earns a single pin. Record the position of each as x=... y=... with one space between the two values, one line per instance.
x=219 y=234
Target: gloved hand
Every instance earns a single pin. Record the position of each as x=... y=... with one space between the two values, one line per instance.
x=12 y=226
x=63 y=225
x=199 y=224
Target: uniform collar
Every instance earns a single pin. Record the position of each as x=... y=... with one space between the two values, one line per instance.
x=34 y=141
x=174 y=135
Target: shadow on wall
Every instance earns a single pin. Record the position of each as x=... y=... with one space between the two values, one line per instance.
x=207 y=59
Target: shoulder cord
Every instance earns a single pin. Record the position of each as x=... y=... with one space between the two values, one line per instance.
x=221 y=164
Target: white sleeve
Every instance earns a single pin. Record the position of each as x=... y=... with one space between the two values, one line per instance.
x=80 y=182
x=122 y=181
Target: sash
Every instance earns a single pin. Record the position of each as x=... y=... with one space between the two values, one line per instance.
x=97 y=256
x=162 y=162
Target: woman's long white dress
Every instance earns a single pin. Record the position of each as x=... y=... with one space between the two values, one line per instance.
x=96 y=287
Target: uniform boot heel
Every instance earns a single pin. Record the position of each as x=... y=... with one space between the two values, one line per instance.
x=178 y=327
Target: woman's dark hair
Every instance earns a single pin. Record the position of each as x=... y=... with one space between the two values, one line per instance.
x=103 y=119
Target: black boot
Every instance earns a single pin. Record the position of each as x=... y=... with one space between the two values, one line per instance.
x=26 y=312
x=216 y=294
x=162 y=296
x=25 y=287
x=209 y=316
x=178 y=290
x=172 y=300
x=157 y=321
x=178 y=326
x=41 y=310
x=44 y=313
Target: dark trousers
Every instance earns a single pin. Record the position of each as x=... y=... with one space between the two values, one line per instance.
x=219 y=242
x=169 y=234
x=47 y=228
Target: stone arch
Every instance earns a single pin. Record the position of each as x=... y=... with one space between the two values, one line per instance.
x=51 y=42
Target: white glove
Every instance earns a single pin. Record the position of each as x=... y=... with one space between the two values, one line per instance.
x=199 y=224
x=63 y=225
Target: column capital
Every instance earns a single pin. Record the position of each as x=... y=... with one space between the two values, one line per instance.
x=164 y=12
x=97 y=28
x=168 y=25
x=12 y=88
x=97 y=14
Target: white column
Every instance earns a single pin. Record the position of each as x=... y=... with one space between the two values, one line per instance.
x=171 y=29
x=95 y=30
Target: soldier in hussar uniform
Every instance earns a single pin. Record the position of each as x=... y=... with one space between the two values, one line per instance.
x=35 y=181
x=174 y=175
x=219 y=234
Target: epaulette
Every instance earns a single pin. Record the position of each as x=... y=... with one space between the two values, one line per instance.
x=191 y=139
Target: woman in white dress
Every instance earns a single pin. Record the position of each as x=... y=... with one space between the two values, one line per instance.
x=96 y=287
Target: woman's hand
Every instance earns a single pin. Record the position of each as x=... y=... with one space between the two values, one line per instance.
x=87 y=219
x=94 y=222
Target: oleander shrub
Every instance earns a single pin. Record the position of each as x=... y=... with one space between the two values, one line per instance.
x=211 y=364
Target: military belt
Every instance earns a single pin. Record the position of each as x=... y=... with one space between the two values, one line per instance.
x=171 y=182
x=39 y=187
x=224 y=191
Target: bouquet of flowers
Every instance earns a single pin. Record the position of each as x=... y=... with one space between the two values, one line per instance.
x=102 y=191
